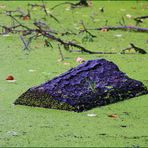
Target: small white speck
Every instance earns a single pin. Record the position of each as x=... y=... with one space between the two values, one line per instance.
x=118 y=35
x=91 y=115
x=128 y=16
x=31 y=70
x=12 y=133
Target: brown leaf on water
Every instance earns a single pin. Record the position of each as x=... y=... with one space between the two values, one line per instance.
x=9 y=77
x=26 y=18
x=112 y=116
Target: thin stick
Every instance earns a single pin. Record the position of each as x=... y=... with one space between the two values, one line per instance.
x=25 y=43
x=61 y=54
x=127 y=28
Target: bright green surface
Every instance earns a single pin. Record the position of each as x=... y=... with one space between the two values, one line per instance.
x=26 y=126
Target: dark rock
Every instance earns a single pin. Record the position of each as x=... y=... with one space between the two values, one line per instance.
x=91 y=84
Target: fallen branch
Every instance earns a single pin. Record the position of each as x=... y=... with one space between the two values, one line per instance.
x=44 y=26
x=137 y=49
x=42 y=6
x=47 y=43
x=26 y=43
x=6 y=30
x=73 y=5
x=44 y=33
x=19 y=22
x=140 y=19
x=61 y=54
x=69 y=3
x=69 y=44
x=127 y=28
x=19 y=13
x=86 y=30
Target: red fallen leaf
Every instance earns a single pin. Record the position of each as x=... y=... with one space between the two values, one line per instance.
x=26 y=18
x=9 y=77
x=113 y=116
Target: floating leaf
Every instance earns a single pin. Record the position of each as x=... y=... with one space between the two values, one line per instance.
x=9 y=77
x=26 y=18
x=112 y=116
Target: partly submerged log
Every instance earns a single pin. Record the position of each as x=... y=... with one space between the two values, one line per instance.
x=91 y=84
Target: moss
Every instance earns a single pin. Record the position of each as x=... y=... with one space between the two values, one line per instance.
x=41 y=99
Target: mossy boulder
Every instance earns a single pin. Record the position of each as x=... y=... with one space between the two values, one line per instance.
x=90 y=84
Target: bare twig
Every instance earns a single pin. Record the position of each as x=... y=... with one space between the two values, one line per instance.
x=43 y=7
x=26 y=44
x=49 y=14
x=19 y=22
x=61 y=54
x=140 y=19
x=137 y=49
x=69 y=3
x=69 y=43
x=127 y=28
x=47 y=43
x=6 y=30
x=41 y=32
x=86 y=30
x=73 y=5
x=18 y=13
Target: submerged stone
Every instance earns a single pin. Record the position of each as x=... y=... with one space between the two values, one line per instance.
x=91 y=84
